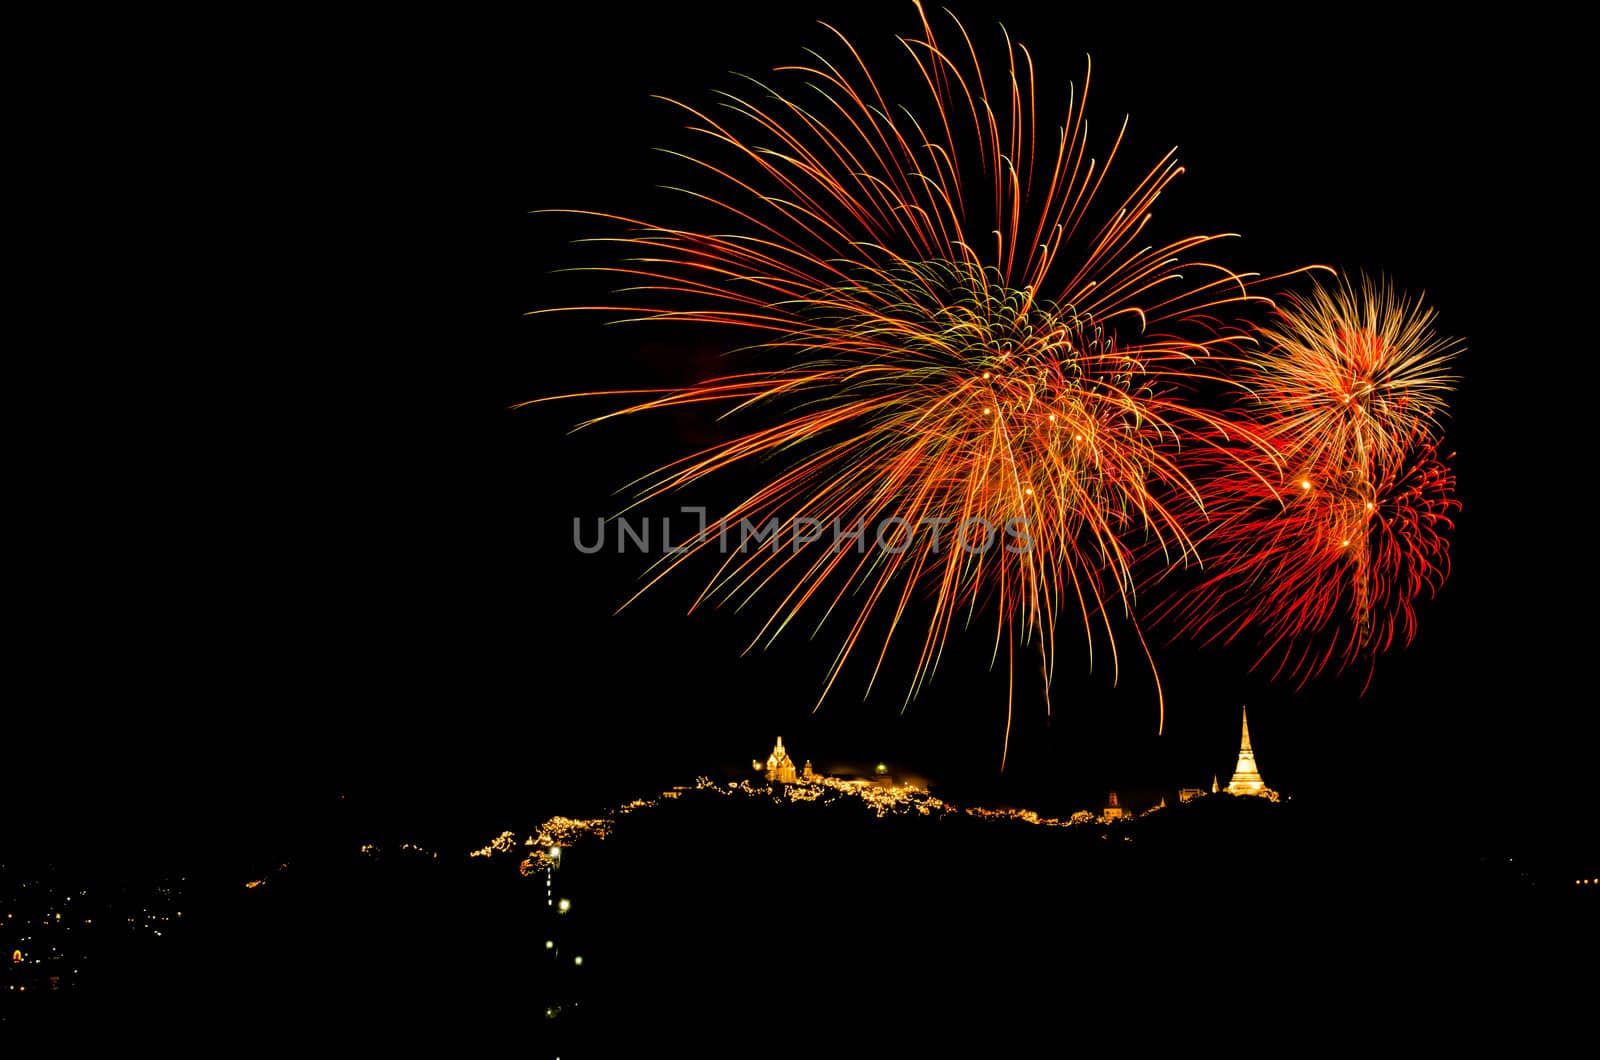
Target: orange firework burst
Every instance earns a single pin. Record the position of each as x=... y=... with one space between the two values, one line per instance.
x=955 y=336
x=1352 y=374
x=1325 y=545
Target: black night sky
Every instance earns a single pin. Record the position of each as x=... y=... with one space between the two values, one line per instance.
x=324 y=558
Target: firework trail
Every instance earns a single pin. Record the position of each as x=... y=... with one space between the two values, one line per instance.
x=1325 y=534
x=956 y=322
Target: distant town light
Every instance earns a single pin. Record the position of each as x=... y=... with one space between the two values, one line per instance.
x=564 y=905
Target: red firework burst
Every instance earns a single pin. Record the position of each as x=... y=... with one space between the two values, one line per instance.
x=1322 y=566
x=1331 y=525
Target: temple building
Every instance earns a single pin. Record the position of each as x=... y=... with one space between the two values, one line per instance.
x=1113 y=809
x=1246 y=779
x=780 y=767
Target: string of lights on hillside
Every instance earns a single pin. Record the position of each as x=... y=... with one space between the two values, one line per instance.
x=882 y=799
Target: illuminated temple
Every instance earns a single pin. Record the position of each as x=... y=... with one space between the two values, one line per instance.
x=1246 y=778
x=780 y=767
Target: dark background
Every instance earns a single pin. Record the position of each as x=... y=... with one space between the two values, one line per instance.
x=302 y=549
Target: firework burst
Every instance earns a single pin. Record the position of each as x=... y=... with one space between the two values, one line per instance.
x=1326 y=533
x=1352 y=373
x=955 y=327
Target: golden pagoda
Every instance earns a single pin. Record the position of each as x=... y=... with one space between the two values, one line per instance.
x=1246 y=778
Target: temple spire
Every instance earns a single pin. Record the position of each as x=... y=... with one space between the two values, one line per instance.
x=1246 y=779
